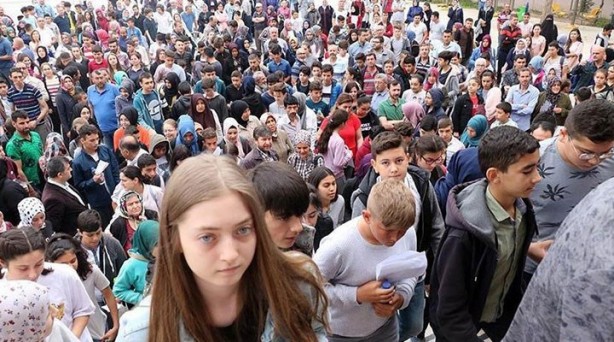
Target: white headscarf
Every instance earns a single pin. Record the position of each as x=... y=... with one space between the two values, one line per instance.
x=28 y=208
x=24 y=309
x=228 y=124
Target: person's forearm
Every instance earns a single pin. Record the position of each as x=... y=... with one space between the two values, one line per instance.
x=79 y=324
x=112 y=305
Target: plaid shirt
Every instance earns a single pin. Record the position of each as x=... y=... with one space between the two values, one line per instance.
x=304 y=167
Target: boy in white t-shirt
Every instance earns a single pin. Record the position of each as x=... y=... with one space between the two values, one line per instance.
x=503 y=112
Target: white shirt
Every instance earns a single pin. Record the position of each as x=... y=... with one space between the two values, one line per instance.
x=454 y=146
x=420 y=30
x=68 y=189
x=164 y=22
x=437 y=30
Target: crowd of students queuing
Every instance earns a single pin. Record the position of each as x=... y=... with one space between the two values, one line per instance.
x=230 y=153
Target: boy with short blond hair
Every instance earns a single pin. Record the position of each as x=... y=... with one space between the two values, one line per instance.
x=347 y=258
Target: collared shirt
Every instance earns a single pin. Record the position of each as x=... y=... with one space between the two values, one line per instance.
x=523 y=102
x=510 y=233
x=104 y=106
x=305 y=166
x=68 y=189
x=357 y=48
x=377 y=99
x=391 y=111
x=283 y=65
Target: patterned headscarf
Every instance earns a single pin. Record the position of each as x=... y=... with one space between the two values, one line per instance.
x=302 y=137
x=28 y=208
x=54 y=147
x=123 y=201
x=24 y=309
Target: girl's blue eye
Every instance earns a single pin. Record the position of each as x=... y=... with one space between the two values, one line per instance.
x=207 y=238
x=243 y=231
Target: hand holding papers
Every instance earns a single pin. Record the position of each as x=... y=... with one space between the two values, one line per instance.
x=102 y=165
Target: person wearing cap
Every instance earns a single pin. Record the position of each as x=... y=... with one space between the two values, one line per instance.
x=262 y=152
x=260 y=23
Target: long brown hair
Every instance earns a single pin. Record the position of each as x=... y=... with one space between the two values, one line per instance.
x=270 y=283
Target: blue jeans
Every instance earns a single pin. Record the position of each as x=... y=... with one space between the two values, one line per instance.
x=107 y=139
x=412 y=317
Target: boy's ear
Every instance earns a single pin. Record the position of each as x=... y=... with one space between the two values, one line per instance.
x=492 y=174
x=366 y=215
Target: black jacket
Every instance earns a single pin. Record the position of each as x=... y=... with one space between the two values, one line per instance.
x=65 y=104
x=11 y=193
x=466 y=262
x=62 y=208
x=463 y=112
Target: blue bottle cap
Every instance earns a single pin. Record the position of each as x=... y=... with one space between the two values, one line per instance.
x=386 y=284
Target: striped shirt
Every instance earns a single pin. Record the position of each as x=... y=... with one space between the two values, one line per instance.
x=26 y=100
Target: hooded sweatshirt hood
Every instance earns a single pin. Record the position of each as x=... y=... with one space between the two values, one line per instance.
x=437 y=96
x=156 y=140
x=466 y=209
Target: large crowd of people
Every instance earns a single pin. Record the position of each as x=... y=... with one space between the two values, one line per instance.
x=237 y=171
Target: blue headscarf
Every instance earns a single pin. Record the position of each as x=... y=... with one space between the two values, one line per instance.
x=186 y=125
x=480 y=126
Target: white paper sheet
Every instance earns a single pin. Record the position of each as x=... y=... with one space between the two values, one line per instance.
x=406 y=265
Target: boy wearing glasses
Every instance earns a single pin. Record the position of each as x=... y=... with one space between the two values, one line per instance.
x=571 y=165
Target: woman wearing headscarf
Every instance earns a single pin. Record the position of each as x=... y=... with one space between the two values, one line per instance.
x=281 y=143
x=170 y=90
x=131 y=283
x=304 y=160
x=309 y=120
x=251 y=97
x=232 y=137
x=432 y=79
x=485 y=50
x=521 y=48
x=536 y=66
x=129 y=117
x=187 y=134
x=101 y=20
x=65 y=102
x=32 y=213
x=54 y=147
x=552 y=102
x=236 y=61
x=413 y=112
x=432 y=103
x=25 y=314
x=240 y=111
x=205 y=116
x=476 y=128
x=549 y=30
x=131 y=213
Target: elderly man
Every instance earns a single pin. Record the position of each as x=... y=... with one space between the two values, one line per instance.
x=587 y=69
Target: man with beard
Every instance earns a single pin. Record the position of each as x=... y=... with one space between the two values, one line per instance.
x=25 y=148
